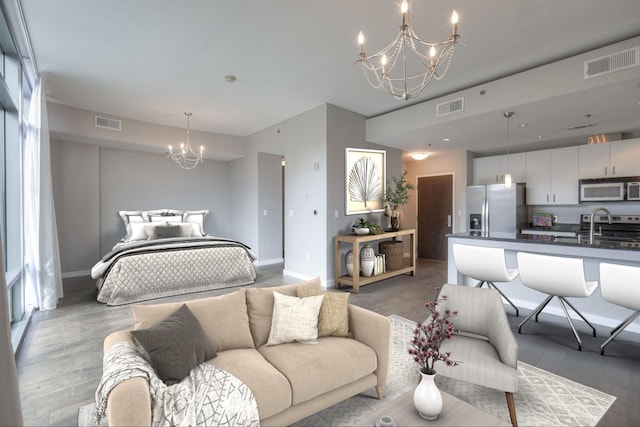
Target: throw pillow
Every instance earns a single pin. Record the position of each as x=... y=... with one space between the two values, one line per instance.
x=294 y=319
x=167 y=231
x=176 y=345
x=334 y=312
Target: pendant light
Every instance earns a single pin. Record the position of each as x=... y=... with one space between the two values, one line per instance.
x=507 y=176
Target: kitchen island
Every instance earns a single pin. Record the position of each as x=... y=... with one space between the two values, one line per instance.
x=597 y=310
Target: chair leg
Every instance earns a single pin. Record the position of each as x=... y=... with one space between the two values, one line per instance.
x=619 y=329
x=579 y=314
x=566 y=313
x=535 y=312
x=492 y=285
x=512 y=408
x=480 y=283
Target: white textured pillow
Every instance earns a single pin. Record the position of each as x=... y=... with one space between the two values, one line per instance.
x=294 y=319
x=138 y=231
x=165 y=218
x=196 y=217
x=127 y=218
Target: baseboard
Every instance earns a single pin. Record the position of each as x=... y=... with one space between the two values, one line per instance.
x=69 y=274
x=557 y=312
x=261 y=263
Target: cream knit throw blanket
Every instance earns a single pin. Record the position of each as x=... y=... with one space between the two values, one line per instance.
x=208 y=396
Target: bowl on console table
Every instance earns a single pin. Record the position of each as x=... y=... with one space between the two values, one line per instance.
x=360 y=231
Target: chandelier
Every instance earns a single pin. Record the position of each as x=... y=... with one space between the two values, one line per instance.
x=186 y=158
x=388 y=70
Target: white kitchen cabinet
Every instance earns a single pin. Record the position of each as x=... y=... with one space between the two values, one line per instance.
x=491 y=170
x=552 y=177
x=610 y=159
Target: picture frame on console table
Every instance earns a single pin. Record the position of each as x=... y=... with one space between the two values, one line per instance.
x=365 y=177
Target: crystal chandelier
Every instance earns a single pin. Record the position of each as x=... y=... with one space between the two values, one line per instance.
x=388 y=68
x=186 y=158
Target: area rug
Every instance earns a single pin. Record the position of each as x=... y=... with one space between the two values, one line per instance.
x=543 y=398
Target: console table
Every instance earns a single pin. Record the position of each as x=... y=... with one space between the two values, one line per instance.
x=356 y=280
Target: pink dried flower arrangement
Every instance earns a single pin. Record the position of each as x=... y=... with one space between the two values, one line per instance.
x=428 y=336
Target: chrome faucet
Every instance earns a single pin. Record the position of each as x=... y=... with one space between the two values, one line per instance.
x=591 y=226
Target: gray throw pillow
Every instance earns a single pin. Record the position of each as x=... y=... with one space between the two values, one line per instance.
x=176 y=345
x=166 y=231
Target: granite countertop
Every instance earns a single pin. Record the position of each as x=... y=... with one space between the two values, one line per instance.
x=599 y=243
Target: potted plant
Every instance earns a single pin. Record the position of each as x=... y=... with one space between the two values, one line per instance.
x=362 y=227
x=425 y=349
x=396 y=196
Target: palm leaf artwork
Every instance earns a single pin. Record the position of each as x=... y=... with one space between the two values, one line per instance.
x=365 y=181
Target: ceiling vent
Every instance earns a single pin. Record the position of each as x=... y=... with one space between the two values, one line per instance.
x=583 y=126
x=450 y=107
x=107 y=123
x=615 y=62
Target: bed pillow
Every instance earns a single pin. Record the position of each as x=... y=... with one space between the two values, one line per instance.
x=294 y=319
x=138 y=231
x=196 y=217
x=176 y=345
x=167 y=231
x=129 y=217
x=333 y=319
x=165 y=218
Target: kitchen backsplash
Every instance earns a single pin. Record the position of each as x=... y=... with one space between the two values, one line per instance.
x=571 y=214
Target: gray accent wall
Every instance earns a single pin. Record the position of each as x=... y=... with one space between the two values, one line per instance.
x=91 y=184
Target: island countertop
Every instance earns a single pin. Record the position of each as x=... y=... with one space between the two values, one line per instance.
x=596 y=309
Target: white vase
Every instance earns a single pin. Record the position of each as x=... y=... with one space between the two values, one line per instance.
x=427 y=398
x=367 y=260
x=348 y=262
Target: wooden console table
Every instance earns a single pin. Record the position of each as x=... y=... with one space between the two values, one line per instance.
x=356 y=280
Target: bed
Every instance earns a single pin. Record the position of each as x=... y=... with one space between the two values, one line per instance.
x=166 y=253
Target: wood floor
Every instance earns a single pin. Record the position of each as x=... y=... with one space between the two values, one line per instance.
x=60 y=361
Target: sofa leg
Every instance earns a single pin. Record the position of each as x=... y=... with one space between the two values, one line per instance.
x=512 y=408
x=379 y=392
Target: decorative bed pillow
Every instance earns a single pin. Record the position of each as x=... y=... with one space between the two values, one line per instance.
x=167 y=231
x=165 y=218
x=196 y=217
x=333 y=319
x=138 y=231
x=176 y=345
x=294 y=319
x=129 y=217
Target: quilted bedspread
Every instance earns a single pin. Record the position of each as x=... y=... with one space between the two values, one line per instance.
x=138 y=275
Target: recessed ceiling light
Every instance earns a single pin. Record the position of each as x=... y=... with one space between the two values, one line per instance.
x=446 y=139
x=229 y=78
x=523 y=125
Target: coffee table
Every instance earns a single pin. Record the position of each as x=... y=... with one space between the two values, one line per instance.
x=455 y=412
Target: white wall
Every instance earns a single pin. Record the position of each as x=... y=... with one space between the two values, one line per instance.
x=270 y=196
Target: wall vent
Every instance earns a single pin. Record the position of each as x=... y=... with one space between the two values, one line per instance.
x=450 y=107
x=610 y=63
x=107 y=123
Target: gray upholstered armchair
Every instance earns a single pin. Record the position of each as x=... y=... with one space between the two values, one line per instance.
x=486 y=345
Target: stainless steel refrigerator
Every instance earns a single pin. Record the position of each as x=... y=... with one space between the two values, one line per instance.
x=495 y=210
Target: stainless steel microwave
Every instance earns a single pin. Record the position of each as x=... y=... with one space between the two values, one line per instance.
x=610 y=189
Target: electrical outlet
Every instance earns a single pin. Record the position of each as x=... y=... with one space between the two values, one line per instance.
x=264 y=212
x=290 y=212
x=337 y=213
x=307 y=256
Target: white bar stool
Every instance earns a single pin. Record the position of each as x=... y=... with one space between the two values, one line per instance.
x=620 y=284
x=487 y=265
x=559 y=277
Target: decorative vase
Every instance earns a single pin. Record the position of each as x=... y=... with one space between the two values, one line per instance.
x=348 y=261
x=367 y=260
x=427 y=398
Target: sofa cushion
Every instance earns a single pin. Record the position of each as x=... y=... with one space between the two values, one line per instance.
x=313 y=370
x=334 y=312
x=223 y=318
x=176 y=345
x=294 y=319
x=260 y=307
x=269 y=386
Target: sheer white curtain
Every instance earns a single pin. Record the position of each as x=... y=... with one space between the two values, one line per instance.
x=42 y=256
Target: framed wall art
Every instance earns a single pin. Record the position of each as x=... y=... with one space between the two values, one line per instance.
x=365 y=180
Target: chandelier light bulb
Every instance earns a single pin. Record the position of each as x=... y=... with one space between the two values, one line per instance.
x=360 y=38
x=404 y=7
x=432 y=52
x=454 y=17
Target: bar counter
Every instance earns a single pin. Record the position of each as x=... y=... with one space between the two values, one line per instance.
x=598 y=311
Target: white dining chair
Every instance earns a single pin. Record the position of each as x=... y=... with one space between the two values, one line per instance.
x=560 y=277
x=620 y=285
x=486 y=265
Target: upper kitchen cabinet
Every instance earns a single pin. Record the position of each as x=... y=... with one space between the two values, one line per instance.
x=611 y=159
x=491 y=170
x=552 y=177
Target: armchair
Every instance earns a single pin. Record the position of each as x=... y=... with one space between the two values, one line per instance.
x=486 y=345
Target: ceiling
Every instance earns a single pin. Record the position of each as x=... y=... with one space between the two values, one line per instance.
x=152 y=60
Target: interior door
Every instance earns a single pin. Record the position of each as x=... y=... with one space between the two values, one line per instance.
x=435 y=215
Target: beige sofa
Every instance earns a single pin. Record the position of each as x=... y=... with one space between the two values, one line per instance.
x=289 y=381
